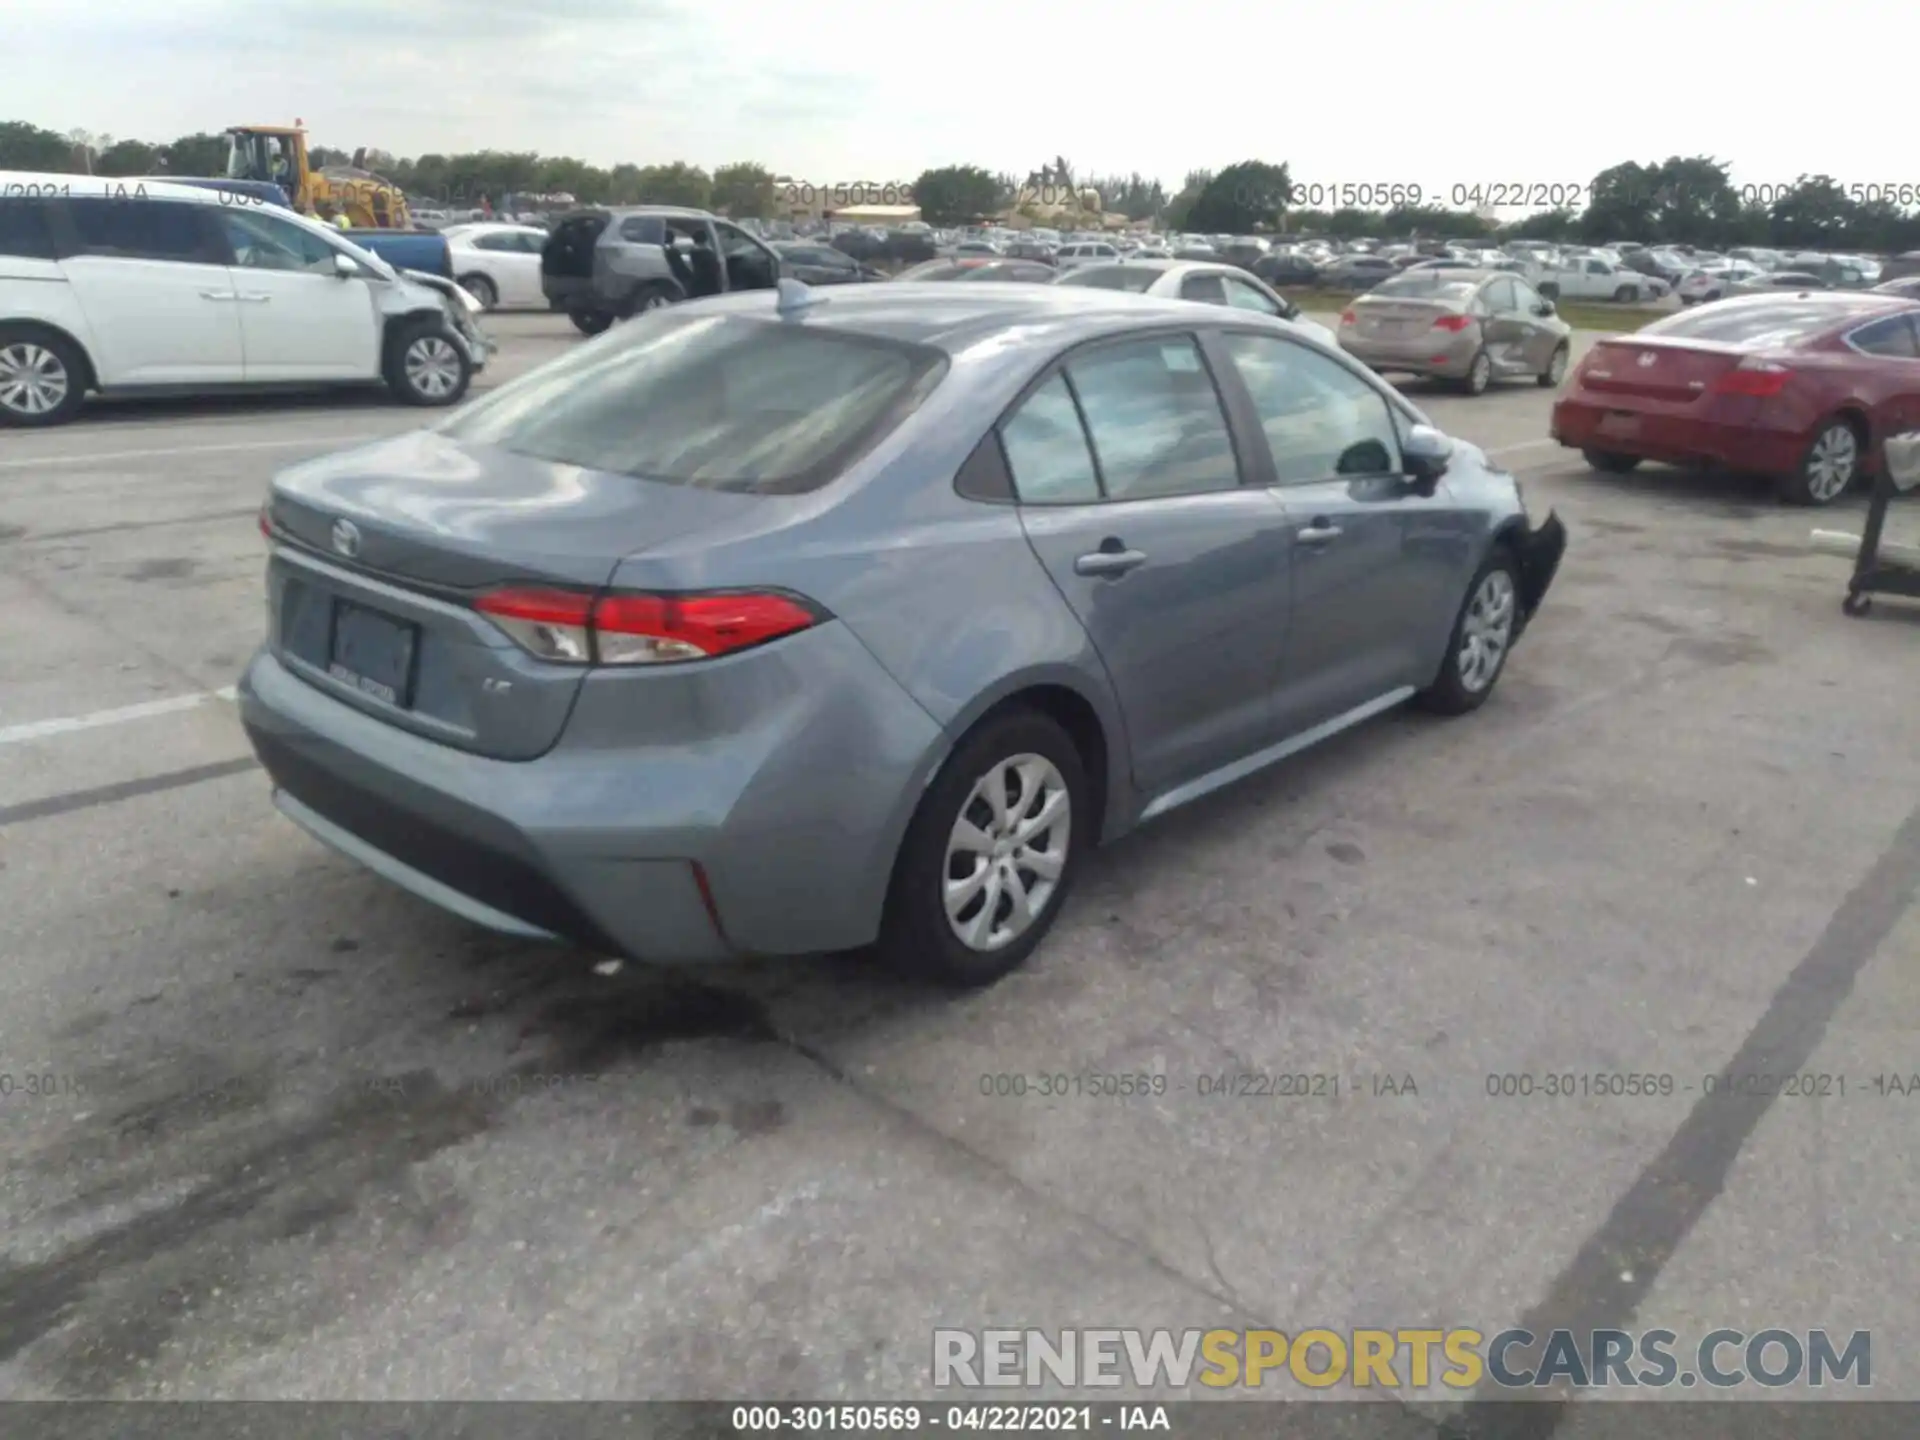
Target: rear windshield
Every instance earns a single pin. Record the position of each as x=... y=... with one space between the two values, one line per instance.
x=1427 y=285
x=1113 y=277
x=722 y=402
x=1772 y=322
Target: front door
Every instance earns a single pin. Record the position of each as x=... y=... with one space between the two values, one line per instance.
x=151 y=278
x=1374 y=559
x=749 y=264
x=300 y=318
x=1130 y=493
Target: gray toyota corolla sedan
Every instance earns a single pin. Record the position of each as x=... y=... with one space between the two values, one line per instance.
x=798 y=621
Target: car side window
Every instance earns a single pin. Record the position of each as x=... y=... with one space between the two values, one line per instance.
x=1243 y=296
x=144 y=229
x=496 y=242
x=1047 y=449
x=266 y=242
x=1525 y=296
x=1892 y=337
x=24 y=231
x=1154 y=418
x=1207 y=289
x=1597 y=267
x=1320 y=420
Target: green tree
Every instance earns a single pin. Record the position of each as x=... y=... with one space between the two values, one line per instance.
x=1816 y=214
x=1242 y=198
x=1551 y=225
x=1179 y=212
x=28 y=147
x=956 y=194
x=744 y=189
x=201 y=154
x=127 y=157
x=676 y=184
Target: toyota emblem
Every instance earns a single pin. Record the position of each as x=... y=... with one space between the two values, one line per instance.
x=1647 y=358
x=346 y=538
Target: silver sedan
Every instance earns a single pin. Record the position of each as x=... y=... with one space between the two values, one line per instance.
x=1198 y=280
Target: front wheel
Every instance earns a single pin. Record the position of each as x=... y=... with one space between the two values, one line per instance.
x=990 y=854
x=1827 y=469
x=426 y=366
x=1482 y=637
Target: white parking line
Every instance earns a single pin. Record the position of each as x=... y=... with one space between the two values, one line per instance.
x=317 y=442
x=67 y=725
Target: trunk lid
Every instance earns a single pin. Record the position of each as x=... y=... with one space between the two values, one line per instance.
x=1397 y=318
x=1657 y=369
x=382 y=551
x=568 y=253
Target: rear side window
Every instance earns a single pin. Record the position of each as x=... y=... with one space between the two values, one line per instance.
x=1047 y=449
x=1892 y=337
x=1154 y=418
x=1770 y=322
x=144 y=229
x=722 y=402
x=644 y=229
x=23 y=229
x=1112 y=277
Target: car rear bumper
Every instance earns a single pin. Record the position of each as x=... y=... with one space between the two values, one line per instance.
x=1647 y=433
x=774 y=839
x=570 y=292
x=1448 y=357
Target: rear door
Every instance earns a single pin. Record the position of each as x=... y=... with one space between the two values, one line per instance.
x=1129 y=489
x=1539 y=338
x=1205 y=288
x=151 y=278
x=300 y=318
x=1376 y=563
x=1504 y=327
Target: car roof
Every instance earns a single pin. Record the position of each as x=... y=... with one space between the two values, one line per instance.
x=1013 y=314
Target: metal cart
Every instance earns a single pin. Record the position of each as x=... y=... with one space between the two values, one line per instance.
x=1881 y=568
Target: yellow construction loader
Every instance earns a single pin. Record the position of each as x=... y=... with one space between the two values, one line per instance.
x=278 y=154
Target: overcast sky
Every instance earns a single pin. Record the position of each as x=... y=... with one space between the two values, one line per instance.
x=834 y=91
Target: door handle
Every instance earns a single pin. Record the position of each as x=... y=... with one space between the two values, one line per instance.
x=1319 y=532
x=1109 y=563
x=218 y=295
x=256 y=298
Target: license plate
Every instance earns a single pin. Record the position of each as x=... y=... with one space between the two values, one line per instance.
x=1619 y=427
x=372 y=653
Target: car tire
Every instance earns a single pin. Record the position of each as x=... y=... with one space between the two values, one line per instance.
x=1482 y=637
x=1479 y=377
x=43 y=377
x=426 y=366
x=481 y=289
x=590 y=322
x=918 y=938
x=649 y=297
x=1556 y=371
x=1829 y=466
x=1626 y=295
x=1610 y=462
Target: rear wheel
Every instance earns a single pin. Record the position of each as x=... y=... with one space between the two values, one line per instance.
x=1479 y=374
x=990 y=854
x=648 y=298
x=481 y=289
x=1556 y=370
x=1626 y=294
x=1610 y=462
x=1828 y=468
x=425 y=366
x=590 y=322
x=42 y=377
x=1482 y=637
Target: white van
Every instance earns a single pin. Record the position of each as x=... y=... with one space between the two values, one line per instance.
x=123 y=286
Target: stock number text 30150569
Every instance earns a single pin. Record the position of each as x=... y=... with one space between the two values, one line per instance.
x=843 y=194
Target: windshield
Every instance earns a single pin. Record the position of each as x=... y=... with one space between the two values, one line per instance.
x=1112 y=277
x=1426 y=285
x=1765 y=325
x=722 y=402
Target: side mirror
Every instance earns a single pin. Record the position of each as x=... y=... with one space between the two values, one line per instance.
x=1544 y=309
x=1425 y=453
x=345 y=266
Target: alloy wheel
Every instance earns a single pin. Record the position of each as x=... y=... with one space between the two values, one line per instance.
x=1007 y=852
x=33 y=381
x=433 y=366
x=1486 y=631
x=1831 y=462
x=1557 y=367
x=1480 y=374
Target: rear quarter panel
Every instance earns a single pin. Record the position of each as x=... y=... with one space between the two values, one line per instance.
x=37 y=291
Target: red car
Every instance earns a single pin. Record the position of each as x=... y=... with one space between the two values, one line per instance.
x=1803 y=387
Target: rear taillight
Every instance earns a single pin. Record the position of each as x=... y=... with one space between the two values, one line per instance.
x=266 y=521
x=1346 y=317
x=1455 y=323
x=571 y=628
x=1760 y=379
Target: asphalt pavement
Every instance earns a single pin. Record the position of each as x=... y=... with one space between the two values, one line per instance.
x=271 y=1128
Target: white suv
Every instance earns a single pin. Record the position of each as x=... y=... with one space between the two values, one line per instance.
x=124 y=286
